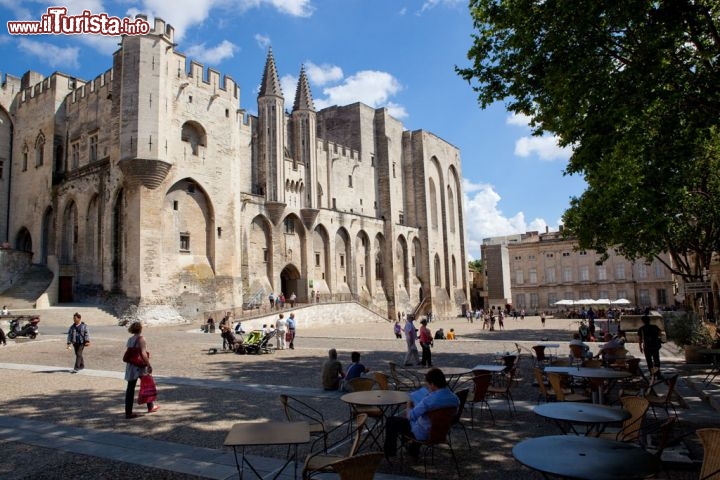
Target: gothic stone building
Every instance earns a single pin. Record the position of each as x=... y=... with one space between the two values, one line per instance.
x=150 y=181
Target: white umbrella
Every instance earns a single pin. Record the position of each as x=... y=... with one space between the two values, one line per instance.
x=621 y=301
x=585 y=301
x=602 y=301
x=564 y=302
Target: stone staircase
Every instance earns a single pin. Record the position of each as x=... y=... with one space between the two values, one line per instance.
x=27 y=288
x=61 y=315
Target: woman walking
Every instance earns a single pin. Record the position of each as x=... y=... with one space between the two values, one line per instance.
x=133 y=372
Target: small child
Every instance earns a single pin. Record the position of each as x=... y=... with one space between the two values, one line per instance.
x=451 y=334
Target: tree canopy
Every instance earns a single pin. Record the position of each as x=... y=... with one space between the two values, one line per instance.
x=633 y=87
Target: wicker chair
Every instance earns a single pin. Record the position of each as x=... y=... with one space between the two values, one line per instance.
x=457 y=419
x=481 y=381
x=298 y=410
x=555 y=380
x=441 y=421
x=358 y=467
x=382 y=380
x=710 y=438
x=632 y=427
x=319 y=461
x=545 y=392
x=665 y=401
x=404 y=379
x=503 y=390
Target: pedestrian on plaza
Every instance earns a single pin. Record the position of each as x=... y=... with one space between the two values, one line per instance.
x=281 y=326
x=292 y=299
x=650 y=340
x=426 y=341
x=133 y=372
x=501 y=320
x=271 y=298
x=411 y=357
x=290 y=335
x=3 y=339
x=397 y=329
x=79 y=337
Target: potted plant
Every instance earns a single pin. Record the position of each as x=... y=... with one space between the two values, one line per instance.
x=690 y=333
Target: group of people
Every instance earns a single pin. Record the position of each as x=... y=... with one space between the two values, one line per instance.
x=278 y=301
x=333 y=376
x=285 y=332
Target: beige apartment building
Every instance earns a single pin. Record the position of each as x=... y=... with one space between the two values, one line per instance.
x=534 y=270
x=152 y=182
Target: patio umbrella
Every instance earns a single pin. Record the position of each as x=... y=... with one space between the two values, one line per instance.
x=564 y=302
x=585 y=301
x=602 y=301
x=621 y=301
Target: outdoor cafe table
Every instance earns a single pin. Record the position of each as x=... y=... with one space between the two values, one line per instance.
x=594 y=417
x=590 y=458
x=388 y=401
x=454 y=374
x=489 y=368
x=247 y=434
x=591 y=374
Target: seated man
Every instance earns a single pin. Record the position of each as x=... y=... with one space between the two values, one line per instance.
x=332 y=372
x=439 y=334
x=417 y=423
x=451 y=334
x=356 y=369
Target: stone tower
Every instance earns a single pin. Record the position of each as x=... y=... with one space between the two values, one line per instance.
x=271 y=137
x=303 y=122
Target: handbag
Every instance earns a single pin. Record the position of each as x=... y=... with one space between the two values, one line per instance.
x=148 y=390
x=133 y=356
x=289 y=336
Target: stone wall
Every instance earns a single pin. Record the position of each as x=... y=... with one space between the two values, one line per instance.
x=12 y=264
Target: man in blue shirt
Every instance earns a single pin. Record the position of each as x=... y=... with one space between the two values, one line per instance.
x=417 y=423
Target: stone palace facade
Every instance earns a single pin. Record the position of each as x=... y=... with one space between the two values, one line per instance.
x=151 y=182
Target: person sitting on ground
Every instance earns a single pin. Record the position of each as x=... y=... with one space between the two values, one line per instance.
x=585 y=348
x=440 y=334
x=332 y=371
x=451 y=334
x=355 y=370
x=416 y=423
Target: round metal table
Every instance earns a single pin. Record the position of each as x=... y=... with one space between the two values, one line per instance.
x=594 y=417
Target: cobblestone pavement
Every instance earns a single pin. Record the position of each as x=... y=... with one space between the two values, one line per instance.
x=202 y=395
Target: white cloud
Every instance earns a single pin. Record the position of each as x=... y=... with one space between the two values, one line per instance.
x=263 y=41
x=181 y=14
x=518 y=120
x=430 y=4
x=322 y=74
x=76 y=7
x=213 y=55
x=296 y=8
x=103 y=44
x=288 y=84
x=19 y=12
x=51 y=54
x=485 y=219
x=545 y=147
x=371 y=87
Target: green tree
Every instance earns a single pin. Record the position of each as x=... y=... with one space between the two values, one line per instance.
x=476 y=265
x=632 y=88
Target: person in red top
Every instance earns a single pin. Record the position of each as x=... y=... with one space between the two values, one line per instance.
x=426 y=341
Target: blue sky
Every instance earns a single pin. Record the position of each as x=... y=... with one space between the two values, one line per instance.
x=398 y=54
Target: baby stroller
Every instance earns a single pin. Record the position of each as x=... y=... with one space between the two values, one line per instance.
x=230 y=342
x=261 y=346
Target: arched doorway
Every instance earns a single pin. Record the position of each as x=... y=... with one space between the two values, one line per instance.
x=290 y=282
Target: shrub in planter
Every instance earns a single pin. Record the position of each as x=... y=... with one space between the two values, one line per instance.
x=692 y=334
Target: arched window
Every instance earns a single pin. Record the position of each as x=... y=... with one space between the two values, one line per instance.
x=194 y=134
x=451 y=209
x=40 y=150
x=433 y=204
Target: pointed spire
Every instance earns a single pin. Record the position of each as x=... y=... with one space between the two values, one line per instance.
x=270 y=84
x=303 y=97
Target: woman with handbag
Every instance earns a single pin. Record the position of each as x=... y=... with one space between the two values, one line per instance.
x=137 y=360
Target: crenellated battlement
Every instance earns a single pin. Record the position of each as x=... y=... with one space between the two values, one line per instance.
x=9 y=84
x=340 y=150
x=100 y=86
x=195 y=73
x=46 y=87
x=160 y=28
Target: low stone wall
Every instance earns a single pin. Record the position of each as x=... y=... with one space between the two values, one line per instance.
x=630 y=324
